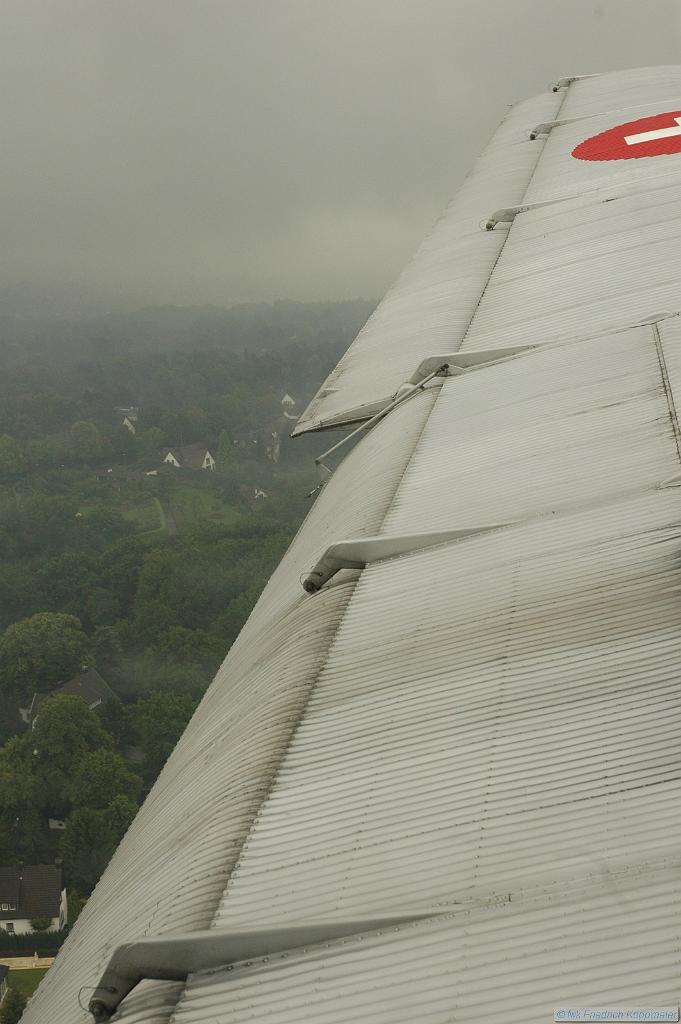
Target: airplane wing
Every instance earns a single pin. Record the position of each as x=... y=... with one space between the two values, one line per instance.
x=446 y=785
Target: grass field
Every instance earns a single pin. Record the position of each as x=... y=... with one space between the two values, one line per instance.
x=146 y=516
x=26 y=982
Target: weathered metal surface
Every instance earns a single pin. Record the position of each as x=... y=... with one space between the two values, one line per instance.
x=487 y=729
x=554 y=429
x=496 y=726
x=582 y=267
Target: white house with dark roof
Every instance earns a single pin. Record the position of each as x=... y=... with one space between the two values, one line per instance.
x=31 y=892
x=188 y=456
x=88 y=685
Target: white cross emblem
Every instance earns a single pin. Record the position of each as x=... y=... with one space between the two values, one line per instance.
x=658 y=133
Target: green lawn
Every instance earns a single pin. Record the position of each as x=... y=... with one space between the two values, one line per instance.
x=26 y=982
x=146 y=516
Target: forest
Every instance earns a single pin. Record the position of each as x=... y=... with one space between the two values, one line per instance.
x=115 y=561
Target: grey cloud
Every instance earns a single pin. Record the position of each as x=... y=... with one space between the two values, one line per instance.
x=191 y=151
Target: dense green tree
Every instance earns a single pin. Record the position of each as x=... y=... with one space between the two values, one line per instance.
x=178 y=644
x=86 y=440
x=41 y=924
x=75 y=904
x=41 y=651
x=114 y=718
x=38 y=525
x=91 y=838
x=19 y=784
x=23 y=835
x=100 y=777
x=159 y=720
x=12 y=1007
x=64 y=582
x=64 y=731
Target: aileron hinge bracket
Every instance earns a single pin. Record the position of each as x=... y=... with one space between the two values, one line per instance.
x=564 y=83
x=509 y=213
x=446 y=365
x=174 y=957
x=402 y=394
x=546 y=127
x=357 y=554
x=455 y=363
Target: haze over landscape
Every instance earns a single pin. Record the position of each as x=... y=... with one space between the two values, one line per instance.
x=219 y=151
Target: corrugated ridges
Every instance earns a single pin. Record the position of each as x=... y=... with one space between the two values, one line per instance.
x=507 y=961
x=583 y=267
x=474 y=693
x=554 y=428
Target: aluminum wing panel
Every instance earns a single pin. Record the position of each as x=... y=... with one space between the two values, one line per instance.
x=485 y=731
x=619 y=90
x=506 y=961
x=514 y=745
x=428 y=309
x=561 y=175
x=583 y=267
x=556 y=428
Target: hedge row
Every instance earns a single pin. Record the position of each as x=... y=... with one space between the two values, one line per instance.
x=42 y=943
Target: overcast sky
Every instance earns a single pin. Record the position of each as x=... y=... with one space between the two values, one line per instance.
x=192 y=151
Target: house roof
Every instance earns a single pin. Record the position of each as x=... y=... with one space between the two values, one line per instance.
x=190 y=456
x=9 y=884
x=36 y=888
x=89 y=685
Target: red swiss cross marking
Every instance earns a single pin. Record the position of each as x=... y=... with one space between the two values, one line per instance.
x=649 y=136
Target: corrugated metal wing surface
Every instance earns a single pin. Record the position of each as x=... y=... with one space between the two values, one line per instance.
x=561 y=175
x=556 y=428
x=486 y=731
x=514 y=743
x=619 y=90
x=506 y=962
x=429 y=308
x=582 y=267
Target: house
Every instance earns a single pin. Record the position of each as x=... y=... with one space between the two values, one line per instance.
x=288 y=404
x=31 y=892
x=188 y=456
x=130 y=414
x=88 y=684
